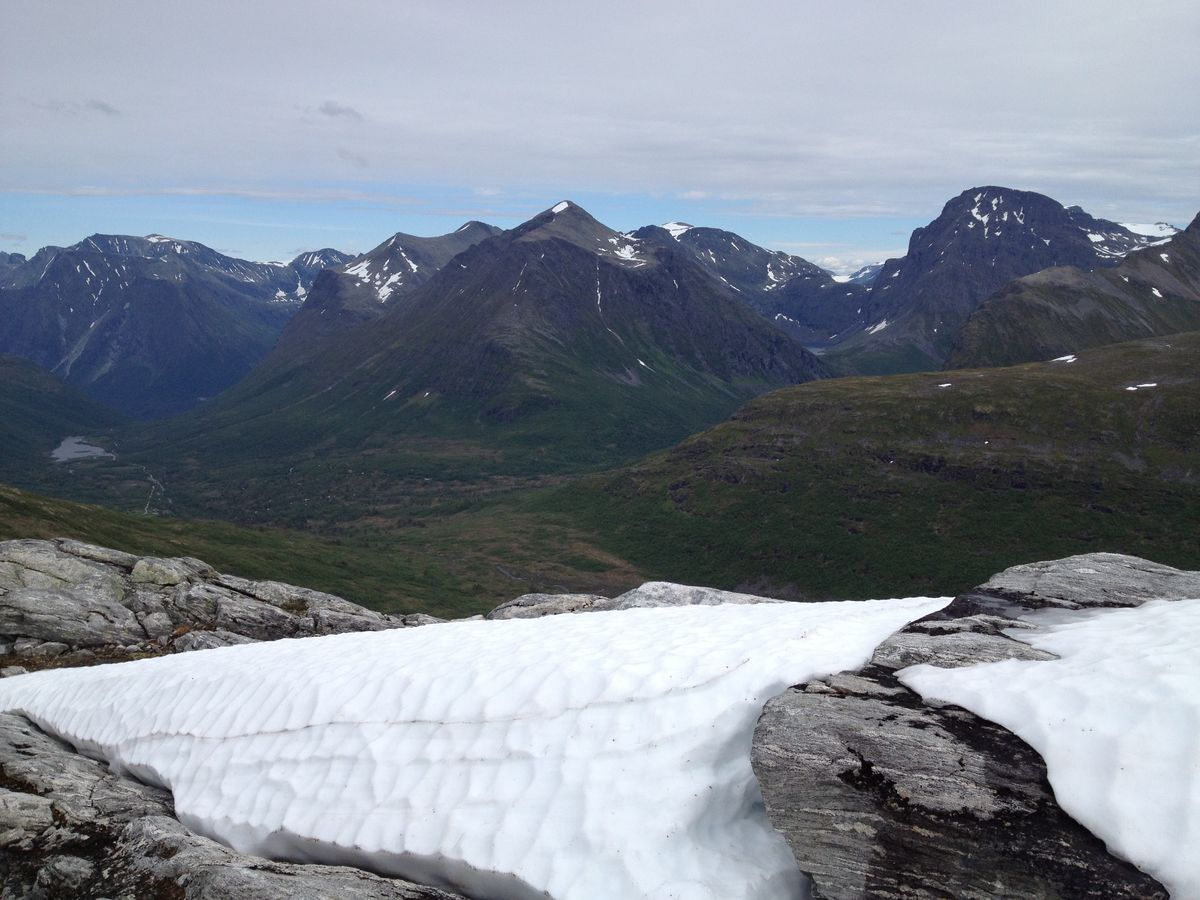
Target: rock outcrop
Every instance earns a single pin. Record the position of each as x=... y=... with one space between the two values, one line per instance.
x=64 y=602
x=881 y=795
x=69 y=827
x=650 y=595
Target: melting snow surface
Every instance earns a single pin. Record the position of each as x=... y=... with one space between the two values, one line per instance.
x=577 y=756
x=1117 y=720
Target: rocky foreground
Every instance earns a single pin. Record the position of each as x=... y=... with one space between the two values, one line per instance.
x=878 y=793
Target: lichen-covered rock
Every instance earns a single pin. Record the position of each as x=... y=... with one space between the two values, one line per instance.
x=650 y=595
x=65 y=602
x=1078 y=582
x=881 y=795
x=69 y=827
x=533 y=606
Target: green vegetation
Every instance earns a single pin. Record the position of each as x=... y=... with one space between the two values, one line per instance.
x=872 y=486
x=851 y=488
x=459 y=566
x=36 y=412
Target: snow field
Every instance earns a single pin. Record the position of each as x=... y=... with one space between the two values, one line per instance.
x=578 y=757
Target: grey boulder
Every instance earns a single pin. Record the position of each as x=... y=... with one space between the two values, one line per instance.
x=881 y=795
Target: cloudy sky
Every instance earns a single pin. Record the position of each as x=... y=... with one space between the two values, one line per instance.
x=827 y=128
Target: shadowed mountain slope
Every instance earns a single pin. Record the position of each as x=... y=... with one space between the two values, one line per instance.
x=983 y=239
x=1154 y=291
x=149 y=326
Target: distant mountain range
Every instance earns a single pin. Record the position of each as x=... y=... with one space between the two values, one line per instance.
x=149 y=325
x=358 y=289
x=983 y=239
x=1058 y=311
x=155 y=326
x=798 y=297
x=559 y=344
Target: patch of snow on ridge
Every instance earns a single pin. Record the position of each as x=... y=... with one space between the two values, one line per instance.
x=559 y=207
x=571 y=757
x=677 y=228
x=1117 y=720
x=878 y=327
x=1156 y=229
x=1069 y=358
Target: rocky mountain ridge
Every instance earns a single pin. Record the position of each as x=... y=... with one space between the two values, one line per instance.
x=561 y=342
x=1154 y=291
x=983 y=239
x=360 y=288
x=795 y=295
x=149 y=325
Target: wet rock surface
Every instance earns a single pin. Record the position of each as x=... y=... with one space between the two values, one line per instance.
x=883 y=796
x=64 y=602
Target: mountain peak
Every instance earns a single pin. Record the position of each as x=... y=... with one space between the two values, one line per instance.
x=676 y=228
x=570 y=222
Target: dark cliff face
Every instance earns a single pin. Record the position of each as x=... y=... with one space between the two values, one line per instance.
x=1154 y=291
x=795 y=295
x=982 y=240
x=149 y=326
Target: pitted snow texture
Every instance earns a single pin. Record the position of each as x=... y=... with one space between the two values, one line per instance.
x=576 y=757
x=1117 y=720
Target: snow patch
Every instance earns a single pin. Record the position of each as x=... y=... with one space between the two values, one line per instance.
x=573 y=757
x=1115 y=717
x=1156 y=292
x=677 y=228
x=1155 y=229
x=559 y=207
x=878 y=327
x=1069 y=358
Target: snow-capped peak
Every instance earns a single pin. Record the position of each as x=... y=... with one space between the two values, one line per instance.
x=561 y=206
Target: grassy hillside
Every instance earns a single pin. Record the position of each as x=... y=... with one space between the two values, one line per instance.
x=857 y=487
x=920 y=483
x=459 y=566
x=36 y=412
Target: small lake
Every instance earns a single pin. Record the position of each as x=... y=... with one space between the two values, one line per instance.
x=75 y=447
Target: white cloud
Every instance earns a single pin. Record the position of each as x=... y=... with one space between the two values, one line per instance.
x=888 y=110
